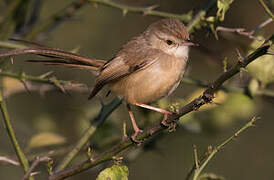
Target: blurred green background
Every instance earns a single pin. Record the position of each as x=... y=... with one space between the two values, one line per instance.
x=99 y=31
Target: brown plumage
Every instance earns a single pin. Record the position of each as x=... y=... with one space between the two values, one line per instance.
x=146 y=68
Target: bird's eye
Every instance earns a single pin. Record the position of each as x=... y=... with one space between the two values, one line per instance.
x=169 y=42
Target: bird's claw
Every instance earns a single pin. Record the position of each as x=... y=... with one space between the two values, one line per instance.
x=171 y=126
x=134 y=138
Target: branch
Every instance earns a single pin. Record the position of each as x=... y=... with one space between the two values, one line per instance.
x=8 y=160
x=20 y=154
x=12 y=45
x=267 y=10
x=206 y=97
x=200 y=15
x=35 y=163
x=144 y=10
x=199 y=168
x=243 y=31
x=44 y=79
x=99 y=119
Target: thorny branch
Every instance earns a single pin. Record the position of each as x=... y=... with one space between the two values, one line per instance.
x=35 y=163
x=144 y=10
x=6 y=118
x=202 y=163
x=243 y=31
x=205 y=98
x=267 y=10
x=44 y=79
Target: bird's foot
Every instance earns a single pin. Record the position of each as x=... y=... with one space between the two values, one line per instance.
x=134 y=138
x=170 y=125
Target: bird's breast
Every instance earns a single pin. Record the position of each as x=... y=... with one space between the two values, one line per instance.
x=152 y=83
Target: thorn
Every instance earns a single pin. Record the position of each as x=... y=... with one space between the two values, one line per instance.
x=47 y=74
x=34 y=173
x=240 y=56
x=196 y=160
x=270 y=53
x=11 y=60
x=76 y=49
x=58 y=84
x=209 y=149
x=243 y=69
x=125 y=136
x=90 y=154
x=25 y=86
x=225 y=64
x=117 y=160
x=125 y=11
x=147 y=10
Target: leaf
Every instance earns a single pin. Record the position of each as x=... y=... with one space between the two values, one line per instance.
x=116 y=172
x=45 y=139
x=236 y=107
x=263 y=68
x=223 y=6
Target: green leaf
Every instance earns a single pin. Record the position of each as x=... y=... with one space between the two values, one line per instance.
x=263 y=68
x=223 y=6
x=116 y=172
x=45 y=139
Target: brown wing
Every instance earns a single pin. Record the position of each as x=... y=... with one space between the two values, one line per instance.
x=123 y=65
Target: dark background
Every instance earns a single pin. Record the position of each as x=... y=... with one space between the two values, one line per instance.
x=99 y=32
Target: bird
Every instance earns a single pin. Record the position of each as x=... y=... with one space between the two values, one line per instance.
x=146 y=68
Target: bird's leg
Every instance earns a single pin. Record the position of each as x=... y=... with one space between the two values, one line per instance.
x=134 y=124
x=163 y=111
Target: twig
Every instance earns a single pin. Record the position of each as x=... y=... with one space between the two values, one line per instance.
x=263 y=24
x=41 y=79
x=207 y=97
x=20 y=154
x=42 y=89
x=198 y=171
x=57 y=17
x=101 y=117
x=200 y=15
x=144 y=10
x=8 y=160
x=35 y=163
x=267 y=10
x=240 y=31
x=243 y=31
x=7 y=44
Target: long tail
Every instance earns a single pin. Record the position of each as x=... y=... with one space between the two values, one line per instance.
x=59 y=57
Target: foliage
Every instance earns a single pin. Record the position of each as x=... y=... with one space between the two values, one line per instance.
x=116 y=172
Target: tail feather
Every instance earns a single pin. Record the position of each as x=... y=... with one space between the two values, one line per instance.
x=55 y=53
x=65 y=64
x=60 y=58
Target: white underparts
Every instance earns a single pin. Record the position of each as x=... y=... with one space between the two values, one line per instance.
x=179 y=51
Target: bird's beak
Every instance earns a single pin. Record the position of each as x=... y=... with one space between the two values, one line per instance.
x=190 y=43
